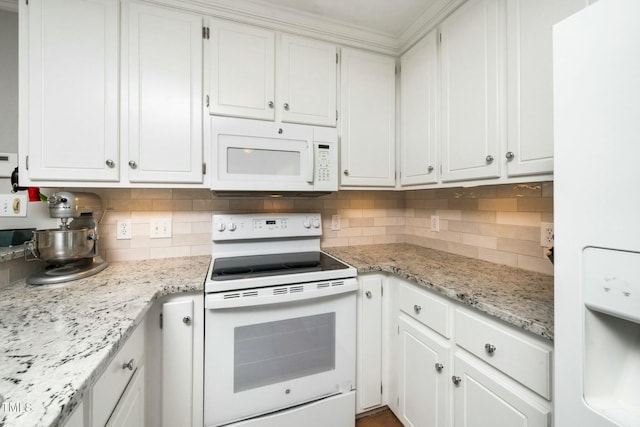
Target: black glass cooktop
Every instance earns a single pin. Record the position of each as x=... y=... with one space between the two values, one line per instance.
x=243 y=267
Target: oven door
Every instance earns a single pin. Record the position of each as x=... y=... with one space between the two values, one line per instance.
x=294 y=348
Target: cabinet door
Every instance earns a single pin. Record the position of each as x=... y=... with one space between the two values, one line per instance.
x=177 y=363
x=472 y=57
x=162 y=61
x=418 y=82
x=482 y=399
x=530 y=82
x=369 y=344
x=423 y=384
x=307 y=76
x=130 y=409
x=69 y=93
x=242 y=77
x=368 y=119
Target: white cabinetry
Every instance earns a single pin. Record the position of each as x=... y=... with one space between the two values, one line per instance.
x=119 y=392
x=369 y=343
x=367 y=126
x=471 y=62
x=243 y=76
x=69 y=90
x=418 y=85
x=530 y=82
x=182 y=359
x=162 y=94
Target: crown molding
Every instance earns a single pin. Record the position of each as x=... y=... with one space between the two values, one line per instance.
x=9 y=5
x=426 y=22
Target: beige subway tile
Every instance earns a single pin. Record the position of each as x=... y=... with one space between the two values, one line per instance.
x=479 y=192
x=479 y=216
x=533 y=189
x=350 y=194
x=199 y=227
x=350 y=232
x=151 y=193
x=280 y=205
x=387 y=220
x=335 y=242
x=416 y=204
x=115 y=255
x=448 y=193
x=436 y=204
x=388 y=204
x=171 y=205
x=192 y=217
x=498 y=257
x=310 y=205
x=463 y=226
x=418 y=222
x=350 y=213
x=172 y=252
x=531 y=219
x=200 y=250
x=111 y=217
x=181 y=228
x=362 y=204
x=540 y=204
x=336 y=204
x=461 y=249
x=463 y=204
x=521 y=247
x=191 y=239
x=203 y=204
x=420 y=195
x=146 y=217
x=110 y=242
x=373 y=231
x=547 y=189
x=241 y=205
x=454 y=215
x=505 y=205
x=361 y=240
x=385 y=238
x=146 y=242
x=192 y=193
x=361 y=222
x=376 y=213
x=424 y=213
x=498 y=230
x=539 y=265
x=130 y=205
x=111 y=193
x=450 y=236
x=547 y=217
x=477 y=240
x=529 y=233
x=395 y=229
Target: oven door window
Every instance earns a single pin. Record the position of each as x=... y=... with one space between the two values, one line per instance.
x=274 y=352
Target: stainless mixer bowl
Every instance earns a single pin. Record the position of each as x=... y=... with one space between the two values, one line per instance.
x=60 y=246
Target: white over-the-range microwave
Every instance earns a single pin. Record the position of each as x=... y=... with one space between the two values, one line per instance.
x=272 y=158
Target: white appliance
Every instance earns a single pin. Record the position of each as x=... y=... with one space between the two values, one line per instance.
x=597 y=211
x=258 y=156
x=279 y=325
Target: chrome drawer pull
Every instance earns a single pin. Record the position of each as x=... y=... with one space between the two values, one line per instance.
x=417 y=309
x=439 y=367
x=186 y=320
x=490 y=348
x=456 y=380
x=368 y=294
x=130 y=366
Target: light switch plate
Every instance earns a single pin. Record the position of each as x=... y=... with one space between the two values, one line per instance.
x=13 y=205
x=160 y=228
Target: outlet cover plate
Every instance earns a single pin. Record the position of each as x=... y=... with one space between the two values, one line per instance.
x=123 y=229
x=546 y=234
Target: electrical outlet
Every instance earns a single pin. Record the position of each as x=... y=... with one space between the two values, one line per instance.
x=435 y=223
x=13 y=205
x=335 y=222
x=546 y=234
x=123 y=229
x=160 y=228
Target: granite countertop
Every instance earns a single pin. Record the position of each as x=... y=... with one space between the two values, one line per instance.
x=55 y=340
x=519 y=297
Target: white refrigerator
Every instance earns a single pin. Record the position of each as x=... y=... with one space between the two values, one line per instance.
x=597 y=216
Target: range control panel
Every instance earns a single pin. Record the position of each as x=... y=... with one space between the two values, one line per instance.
x=265 y=226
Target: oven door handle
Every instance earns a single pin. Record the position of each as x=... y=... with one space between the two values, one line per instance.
x=278 y=294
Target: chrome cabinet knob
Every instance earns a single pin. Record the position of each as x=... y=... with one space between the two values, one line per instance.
x=130 y=365
x=368 y=294
x=489 y=158
x=490 y=348
x=286 y=106
x=346 y=172
x=270 y=104
x=456 y=380
x=280 y=130
x=417 y=308
x=439 y=367
x=510 y=155
x=110 y=163
x=132 y=164
x=186 y=320
x=430 y=168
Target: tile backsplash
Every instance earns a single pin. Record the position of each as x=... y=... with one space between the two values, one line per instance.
x=497 y=223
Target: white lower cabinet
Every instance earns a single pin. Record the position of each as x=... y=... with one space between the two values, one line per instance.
x=130 y=409
x=422 y=375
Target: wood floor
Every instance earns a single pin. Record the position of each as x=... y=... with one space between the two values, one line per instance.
x=380 y=419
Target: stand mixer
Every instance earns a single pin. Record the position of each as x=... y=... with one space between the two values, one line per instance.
x=70 y=251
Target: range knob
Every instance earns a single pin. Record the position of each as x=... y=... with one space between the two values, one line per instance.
x=220 y=227
x=316 y=223
x=231 y=226
x=306 y=224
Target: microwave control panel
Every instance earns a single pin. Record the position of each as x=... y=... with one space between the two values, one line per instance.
x=326 y=167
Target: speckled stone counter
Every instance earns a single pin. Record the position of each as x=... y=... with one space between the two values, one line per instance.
x=56 y=340
x=519 y=297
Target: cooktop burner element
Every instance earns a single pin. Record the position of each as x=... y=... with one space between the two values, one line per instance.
x=232 y=268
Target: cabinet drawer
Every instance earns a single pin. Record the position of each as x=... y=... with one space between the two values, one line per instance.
x=426 y=309
x=110 y=386
x=511 y=352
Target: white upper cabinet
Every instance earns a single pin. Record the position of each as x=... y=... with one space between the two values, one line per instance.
x=418 y=112
x=307 y=81
x=471 y=91
x=162 y=87
x=69 y=90
x=367 y=125
x=242 y=76
x=530 y=85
